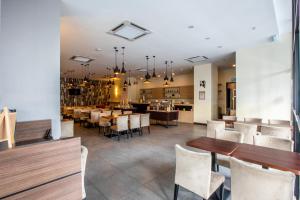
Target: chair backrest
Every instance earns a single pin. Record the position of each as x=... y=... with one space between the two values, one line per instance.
x=253 y=120
x=229 y=117
x=127 y=112
x=193 y=170
x=249 y=182
x=134 y=121
x=122 y=123
x=84 y=154
x=212 y=126
x=145 y=120
x=95 y=116
x=280 y=132
x=107 y=112
x=117 y=112
x=273 y=142
x=279 y=122
x=233 y=136
x=248 y=131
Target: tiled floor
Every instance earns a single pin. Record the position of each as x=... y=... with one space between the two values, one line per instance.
x=139 y=168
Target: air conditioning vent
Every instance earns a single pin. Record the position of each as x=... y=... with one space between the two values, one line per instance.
x=81 y=59
x=196 y=59
x=129 y=31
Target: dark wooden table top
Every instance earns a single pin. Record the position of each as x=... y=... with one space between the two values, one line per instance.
x=214 y=145
x=268 y=157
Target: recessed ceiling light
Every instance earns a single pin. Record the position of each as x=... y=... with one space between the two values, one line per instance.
x=98 y=49
x=129 y=31
x=207 y=38
x=81 y=59
x=196 y=59
x=158 y=75
x=253 y=28
x=220 y=47
x=233 y=65
x=191 y=27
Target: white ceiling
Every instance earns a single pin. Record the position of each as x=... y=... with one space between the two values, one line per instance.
x=228 y=23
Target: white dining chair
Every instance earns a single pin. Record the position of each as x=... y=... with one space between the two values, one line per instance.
x=77 y=114
x=107 y=112
x=212 y=126
x=103 y=122
x=279 y=122
x=94 y=118
x=84 y=154
x=248 y=131
x=233 y=136
x=229 y=117
x=280 y=132
x=250 y=182
x=193 y=172
x=145 y=122
x=274 y=142
x=121 y=126
x=253 y=120
x=134 y=123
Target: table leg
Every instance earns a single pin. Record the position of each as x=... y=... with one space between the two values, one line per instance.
x=213 y=161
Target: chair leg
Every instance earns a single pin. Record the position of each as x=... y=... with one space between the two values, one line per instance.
x=176 y=191
x=217 y=167
x=141 y=130
x=118 y=136
x=131 y=132
x=149 y=129
x=127 y=133
x=222 y=191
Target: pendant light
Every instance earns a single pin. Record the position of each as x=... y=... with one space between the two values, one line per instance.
x=147 y=76
x=116 y=69
x=129 y=83
x=123 y=71
x=166 y=73
x=153 y=75
x=172 y=79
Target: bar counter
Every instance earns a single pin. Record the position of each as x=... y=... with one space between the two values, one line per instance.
x=164 y=116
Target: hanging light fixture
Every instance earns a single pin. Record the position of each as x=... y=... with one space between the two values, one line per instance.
x=172 y=79
x=123 y=71
x=153 y=74
x=147 y=76
x=129 y=83
x=116 y=69
x=166 y=73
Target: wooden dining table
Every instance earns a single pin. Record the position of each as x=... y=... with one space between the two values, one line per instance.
x=264 y=156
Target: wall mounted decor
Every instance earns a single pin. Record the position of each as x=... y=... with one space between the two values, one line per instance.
x=202 y=83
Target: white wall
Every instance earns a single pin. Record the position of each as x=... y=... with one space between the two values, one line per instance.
x=30 y=60
x=205 y=109
x=264 y=80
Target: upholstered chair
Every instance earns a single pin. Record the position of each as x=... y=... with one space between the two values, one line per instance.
x=117 y=112
x=145 y=122
x=127 y=112
x=279 y=122
x=212 y=126
x=249 y=182
x=121 y=126
x=84 y=154
x=193 y=172
x=280 y=132
x=274 y=142
x=103 y=122
x=233 y=136
x=248 y=131
x=253 y=120
x=107 y=112
x=94 y=118
x=134 y=123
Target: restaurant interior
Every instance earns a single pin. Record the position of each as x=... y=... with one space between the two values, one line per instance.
x=149 y=100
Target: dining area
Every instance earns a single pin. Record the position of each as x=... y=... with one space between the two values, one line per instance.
x=256 y=160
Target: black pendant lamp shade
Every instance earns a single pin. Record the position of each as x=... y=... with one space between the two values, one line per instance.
x=172 y=79
x=166 y=73
x=116 y=69
x=123 y=71
x=153 y=74
x=129 y=83
x=147 y=76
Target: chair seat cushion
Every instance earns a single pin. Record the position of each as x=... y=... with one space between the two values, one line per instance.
x=215 y=182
